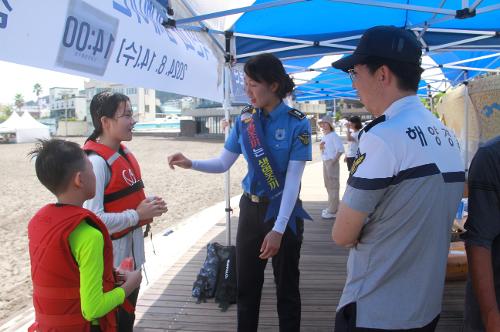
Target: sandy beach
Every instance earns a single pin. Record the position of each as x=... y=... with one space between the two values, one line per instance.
x=186 y=192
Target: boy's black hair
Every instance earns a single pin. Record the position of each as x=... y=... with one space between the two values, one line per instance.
x=56 y=163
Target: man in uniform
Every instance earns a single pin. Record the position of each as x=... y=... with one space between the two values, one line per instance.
x=402 y=194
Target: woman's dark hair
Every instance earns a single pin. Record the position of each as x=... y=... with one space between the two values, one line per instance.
x=57 y=161
x=105 y=104
x=356 y=120
x=268 y=68
x=408 y=74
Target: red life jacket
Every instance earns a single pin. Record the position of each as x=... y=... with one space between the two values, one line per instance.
x=125 y=189
x=55 y=273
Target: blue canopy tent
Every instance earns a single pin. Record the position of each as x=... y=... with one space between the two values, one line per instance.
x=460 y=39
x=449 y=31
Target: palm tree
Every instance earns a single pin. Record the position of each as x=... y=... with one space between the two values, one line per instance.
x=19 y=101
x=37 y=89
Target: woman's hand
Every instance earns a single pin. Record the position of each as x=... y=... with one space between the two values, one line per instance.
x=271 y=245
x=179 y=160
x=151 y=207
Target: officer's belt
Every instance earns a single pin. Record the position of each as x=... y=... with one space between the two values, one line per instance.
x=255 y=198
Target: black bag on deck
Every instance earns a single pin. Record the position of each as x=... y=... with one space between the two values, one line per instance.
x=206 y=280
x=226 y=290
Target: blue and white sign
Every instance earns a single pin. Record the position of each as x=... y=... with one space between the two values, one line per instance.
x=237 y=88
x=120 y=41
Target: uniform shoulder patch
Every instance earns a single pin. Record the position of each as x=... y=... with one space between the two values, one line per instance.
x=357 y=162
x=305 y=138
x=247 y=109
x=296 y=113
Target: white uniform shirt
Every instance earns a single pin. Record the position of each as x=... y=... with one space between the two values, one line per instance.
x=132 y=244
x=352 y=146
x=333 y=145
x=409 y=178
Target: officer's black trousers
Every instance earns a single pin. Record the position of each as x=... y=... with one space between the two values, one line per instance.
x=250 y=268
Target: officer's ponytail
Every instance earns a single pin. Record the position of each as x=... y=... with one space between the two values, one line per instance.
x=268 y=68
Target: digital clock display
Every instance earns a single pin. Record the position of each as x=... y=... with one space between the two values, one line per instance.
x=88 y=39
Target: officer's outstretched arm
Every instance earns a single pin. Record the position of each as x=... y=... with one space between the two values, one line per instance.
x=216 y=165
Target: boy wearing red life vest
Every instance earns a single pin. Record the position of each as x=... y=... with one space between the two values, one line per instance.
x=70 y=249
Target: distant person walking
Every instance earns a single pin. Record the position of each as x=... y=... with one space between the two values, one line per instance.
x=353 y=126
x=331 y=149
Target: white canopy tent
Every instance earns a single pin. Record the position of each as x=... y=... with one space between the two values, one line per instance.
x=10 y=123
x=25 y=128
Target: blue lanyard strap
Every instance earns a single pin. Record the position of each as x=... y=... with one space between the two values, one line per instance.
x=265 y=168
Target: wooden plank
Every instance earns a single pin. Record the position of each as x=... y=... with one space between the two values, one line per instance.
x=168 y=306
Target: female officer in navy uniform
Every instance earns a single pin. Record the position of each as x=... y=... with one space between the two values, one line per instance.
x=275 y=141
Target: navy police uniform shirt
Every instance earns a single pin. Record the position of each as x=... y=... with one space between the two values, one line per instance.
x=287 y=136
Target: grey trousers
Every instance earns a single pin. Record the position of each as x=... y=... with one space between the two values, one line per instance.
x=331 y=175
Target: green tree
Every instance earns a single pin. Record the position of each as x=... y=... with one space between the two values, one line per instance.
x=5 y=112
x=337 y=116
x=436 y=99
x=37 y=90
x=19 y=101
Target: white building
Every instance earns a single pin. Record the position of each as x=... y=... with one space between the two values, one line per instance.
x=67 y=103
x=143 y=101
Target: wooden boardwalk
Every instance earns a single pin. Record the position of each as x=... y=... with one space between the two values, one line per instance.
x=168 y=306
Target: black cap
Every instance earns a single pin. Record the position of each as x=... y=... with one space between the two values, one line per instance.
x=388 y=42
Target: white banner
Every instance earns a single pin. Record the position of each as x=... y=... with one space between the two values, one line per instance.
x=119 y=41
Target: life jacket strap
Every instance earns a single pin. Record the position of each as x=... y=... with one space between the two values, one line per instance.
x=122 y=233
x=108 y=198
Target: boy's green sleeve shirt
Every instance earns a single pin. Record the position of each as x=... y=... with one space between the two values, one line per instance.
x=87 y=247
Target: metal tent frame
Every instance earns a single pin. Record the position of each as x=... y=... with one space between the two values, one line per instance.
x=327 y=83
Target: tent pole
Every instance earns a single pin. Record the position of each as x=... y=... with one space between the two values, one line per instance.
x=335 y=113
x=466 y=122
x=226 y=106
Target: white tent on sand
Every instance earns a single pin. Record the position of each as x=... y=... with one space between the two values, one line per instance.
x=25 y=128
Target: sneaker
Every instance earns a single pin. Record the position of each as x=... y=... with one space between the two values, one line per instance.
x=327 y=215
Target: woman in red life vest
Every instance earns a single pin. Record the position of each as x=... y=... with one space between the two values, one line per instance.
x=119 y=200
x=70 y=249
